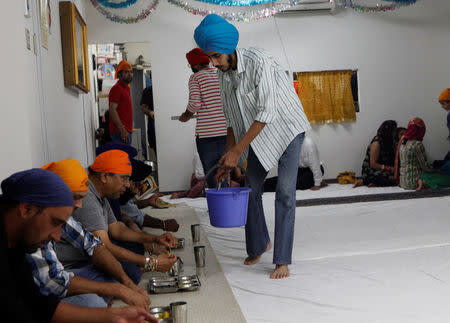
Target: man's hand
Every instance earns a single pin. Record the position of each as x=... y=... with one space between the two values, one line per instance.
x=167 y=239
x=131 y=314
x=124 y=135
x=184 y=118
x=170 y=225
x=155 y=248
x=228 y=162
x=151 y=201
x=165 y=262
x=137 y=289
x=135 y=298
x=316 y=188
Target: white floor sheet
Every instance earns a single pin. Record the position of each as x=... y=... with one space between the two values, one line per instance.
x=364 y=262
x=337 y=190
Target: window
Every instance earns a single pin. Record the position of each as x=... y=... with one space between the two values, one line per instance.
x=328 y=96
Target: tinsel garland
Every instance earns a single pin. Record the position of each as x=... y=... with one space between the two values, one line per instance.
x=377 y=7
x=126 y=20
x=403 y=1
x=237 y=3
x=237 y=16
x=116 y=5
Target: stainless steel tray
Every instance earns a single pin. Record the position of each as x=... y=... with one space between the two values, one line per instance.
x=163 y=285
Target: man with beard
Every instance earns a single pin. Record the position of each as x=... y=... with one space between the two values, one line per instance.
x=120 y=107
x=132 y=215
x=127 y=209
x=34 y=206
x=49 y=273
x=266 y=126
x=109 y=176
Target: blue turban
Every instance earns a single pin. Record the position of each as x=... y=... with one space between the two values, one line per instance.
x=216 y=34
x=130 y=150
x=38 y=187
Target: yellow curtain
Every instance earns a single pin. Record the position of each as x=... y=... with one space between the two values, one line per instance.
x=327 y=96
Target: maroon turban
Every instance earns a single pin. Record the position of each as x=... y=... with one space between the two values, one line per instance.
x=197 y=57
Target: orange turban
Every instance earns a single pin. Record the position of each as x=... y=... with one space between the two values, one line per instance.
x=445 y=95
x=71 y=171
x=112 y=161
x=123 y=65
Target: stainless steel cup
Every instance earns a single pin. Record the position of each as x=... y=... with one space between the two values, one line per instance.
x=195 y=230
x=178 y=312
x=200 y=256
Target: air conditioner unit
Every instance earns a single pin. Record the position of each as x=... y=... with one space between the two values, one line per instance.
x=311 y=6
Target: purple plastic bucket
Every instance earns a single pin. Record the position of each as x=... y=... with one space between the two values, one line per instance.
x=228 y=206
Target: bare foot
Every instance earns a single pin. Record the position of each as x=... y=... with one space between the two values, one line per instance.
x=371 y=185
x=280 y=271
x=359 y=182
x=419 y=185
x=254 y=260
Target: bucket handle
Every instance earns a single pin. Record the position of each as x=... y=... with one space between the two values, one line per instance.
x=211 y=171
x=208 y=174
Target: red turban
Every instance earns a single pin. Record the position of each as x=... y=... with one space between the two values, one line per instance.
x=197 y=57
x=415 y=130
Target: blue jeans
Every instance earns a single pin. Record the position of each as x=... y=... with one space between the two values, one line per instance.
x=210 y=150
x=118 y=138
x=256 y=234
x=133 y=271
x=89 y=300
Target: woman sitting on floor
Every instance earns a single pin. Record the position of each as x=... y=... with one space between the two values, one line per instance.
x=411 y=165
x=378 y=165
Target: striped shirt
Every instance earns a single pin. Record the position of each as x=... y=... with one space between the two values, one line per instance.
x=204 y=99
x=48 y=271
x=260 y=90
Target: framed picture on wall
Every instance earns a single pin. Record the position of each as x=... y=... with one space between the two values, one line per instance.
x=74 y=47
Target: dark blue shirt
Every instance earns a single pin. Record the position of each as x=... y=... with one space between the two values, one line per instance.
x=448 y=124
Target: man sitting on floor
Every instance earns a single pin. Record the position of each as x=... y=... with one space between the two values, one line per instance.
x=310 y=170
x=34 y=206
x=109 y=176
x=49 y=273
x=131 y=214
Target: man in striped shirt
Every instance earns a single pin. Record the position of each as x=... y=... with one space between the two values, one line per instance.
x=205 y=100
x=266 y=126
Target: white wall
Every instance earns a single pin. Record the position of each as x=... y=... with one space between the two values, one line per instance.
x=38 y=125
x=402 y=58
x=133 y=51
x=67 y=112
x=15 y=151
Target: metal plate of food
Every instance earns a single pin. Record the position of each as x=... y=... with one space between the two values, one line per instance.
x=174 y=284
x=161 y=313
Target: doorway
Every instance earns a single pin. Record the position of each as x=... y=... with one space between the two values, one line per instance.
x=105 y=58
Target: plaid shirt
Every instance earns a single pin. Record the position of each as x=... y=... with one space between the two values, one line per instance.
x=48 y=272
